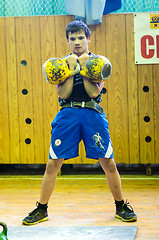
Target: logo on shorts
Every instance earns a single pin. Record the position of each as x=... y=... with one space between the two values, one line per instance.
x=57 y=142
x=97 y=138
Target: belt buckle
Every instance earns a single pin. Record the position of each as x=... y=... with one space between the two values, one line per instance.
x=83 y=104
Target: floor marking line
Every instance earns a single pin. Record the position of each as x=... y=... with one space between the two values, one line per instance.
x=65 y=178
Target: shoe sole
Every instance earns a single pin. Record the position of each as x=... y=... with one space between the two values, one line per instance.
x=41 y=220
x=126 y=220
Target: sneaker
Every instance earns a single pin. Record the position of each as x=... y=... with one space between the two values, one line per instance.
x=36 y=216
x=126 y=213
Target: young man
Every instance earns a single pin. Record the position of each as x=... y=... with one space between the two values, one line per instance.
x=77 y=122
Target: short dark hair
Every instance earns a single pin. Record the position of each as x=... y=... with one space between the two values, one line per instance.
x=76 y=26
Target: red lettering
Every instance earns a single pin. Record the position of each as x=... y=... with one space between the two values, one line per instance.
x=144 y=46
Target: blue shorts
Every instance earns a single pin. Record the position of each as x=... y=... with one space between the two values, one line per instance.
x=71 y=125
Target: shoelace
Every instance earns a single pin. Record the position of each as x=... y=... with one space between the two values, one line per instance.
x=35 y=210
x=128 y=206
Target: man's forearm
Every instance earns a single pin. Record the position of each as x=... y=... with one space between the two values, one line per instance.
x=64 y=90
x=92 y=89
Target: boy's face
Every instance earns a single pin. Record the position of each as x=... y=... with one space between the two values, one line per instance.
x=78 y=42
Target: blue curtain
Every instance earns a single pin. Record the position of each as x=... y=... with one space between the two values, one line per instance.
x=111 y=6
x=91 y=11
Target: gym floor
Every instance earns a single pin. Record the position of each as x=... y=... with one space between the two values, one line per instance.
x=82 y=200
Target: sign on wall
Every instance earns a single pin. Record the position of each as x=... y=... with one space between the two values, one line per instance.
x=146 y=35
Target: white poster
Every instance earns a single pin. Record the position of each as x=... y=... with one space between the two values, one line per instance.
x=146 y=35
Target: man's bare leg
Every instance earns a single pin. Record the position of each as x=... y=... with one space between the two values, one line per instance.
x=113 y=177
x=123 y=211
x=48 y=184
x=49 y=179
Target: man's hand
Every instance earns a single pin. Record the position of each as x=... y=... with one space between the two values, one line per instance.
x=72 y=61
x=82 y=60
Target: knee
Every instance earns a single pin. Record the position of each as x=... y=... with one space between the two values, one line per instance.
x=110 y=166
x=51 y=168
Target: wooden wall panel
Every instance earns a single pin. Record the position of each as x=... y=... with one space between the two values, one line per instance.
x=37 y=80
x=101 y=49
x=155 y=73
x=23 y=48
x=117 y=87
x=146 y=109
x=50 y=105
x=12 y=90
x=62 y=48
x=92 y=44
x=36 y=39
x=131 y=76
x=4 y=114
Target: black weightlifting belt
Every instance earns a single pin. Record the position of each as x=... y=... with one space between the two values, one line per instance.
x=90 y=104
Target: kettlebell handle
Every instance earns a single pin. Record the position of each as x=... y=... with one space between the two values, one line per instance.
x=4 y=231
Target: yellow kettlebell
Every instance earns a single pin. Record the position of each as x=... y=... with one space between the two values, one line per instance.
x=97 y=69
x=56 y=70
x=3 y=234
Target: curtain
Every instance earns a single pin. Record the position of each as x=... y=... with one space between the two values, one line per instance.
x=91 y=11
x=111 y=6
